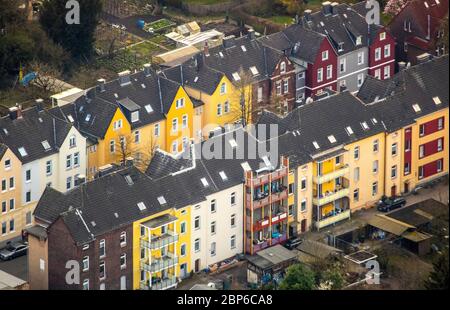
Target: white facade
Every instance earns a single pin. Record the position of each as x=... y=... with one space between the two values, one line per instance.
x=220 y=232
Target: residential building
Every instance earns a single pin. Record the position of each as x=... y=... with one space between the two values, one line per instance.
x=419 y=28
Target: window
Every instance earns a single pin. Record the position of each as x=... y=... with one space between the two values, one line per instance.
x=374 y=188
x=440 y=123
x=356 y=174
x=102 y=270
x=11 y=204
x=223 y=88
x=382 y=36
x=375 y=166
x=184 y=121
x=375 y=146
x=303 y=184
x=329 y=71
x=278 y=88
x=137 y=136
x=72 y=141
x=4 y=207
x=387 y=72
x=421 y=172
x=197 y=245
x=4 y=228
x=324 y=55
x=76 y=159
x=102 y=248
x=226 y=107
x=156 y=130
x=393 y=171
x=183 y=227
x=387 y=50
x=283 y=67
x=303 y=205
x=422 y=130
x=179 y=103
x=48 y=168
x=213 y=249
x=342 y=65
x=11 y=183
x=319 y=75
x=260 y=93
x=68 y=183
x=285 y=86
x=439 y=165
x=112 y=146
x=123 y=238
x=421 y=151
x=28 y=175
x=11 y=225
x=219 y=109
x=86 y=284
x=86 y=263
x=233 y=220
x=213 y=206
x=213 y=228
x=4 y=185
x=440 y=144
x=175 y=125
x=360 y=79
x=123 y=261
x=233 y=242
x=233 y=198
x=356 y=195
x=197 y=222
x=378 y=74
x=175 y=147
x=407 y=145
x=394 y=149
x=7 y=164
x=378 y=53
x=301 y=75
x=183 y=250
x=356 y=153
x=28 y=196
x=407 y=169
x=291 y=210
x=360 y=58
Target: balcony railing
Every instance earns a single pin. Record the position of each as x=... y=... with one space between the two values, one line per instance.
x=279 y=239
x=333 y=219
x=157 y=242
x=259 y=180
x=279 y=217
x=320 y=201
x=160 y=285
x=339 y=172
x=262 y=223
x=159 y=264
x=277 y=196
x=260 y=246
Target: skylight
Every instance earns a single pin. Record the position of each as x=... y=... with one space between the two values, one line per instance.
x=148 y=108
x=236 y=76
x=416 y=108
x=233 y=143
x=143 y=85
x=196 y=79
x=93 y=224
x=5 y=131
x=254 y=70
x=162 y=200
x=221 y=54
x=88 y=117
x=204 y=182
x=244 y=49
x=316 y=145
x=129 y=180
x=332 y=139
x=374 y=121
x=141 y=206
x=223 y=175
x=246 y=166
x=364 y=126
x=70 y=118
x=437 y=100
x=22 y=151
x=46 y=145
x=349 y=130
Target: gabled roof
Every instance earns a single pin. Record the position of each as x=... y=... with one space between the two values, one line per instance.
x=26 y=136
x=374 y=89
x=3 y=149
x=343 y=26
x=193 y=73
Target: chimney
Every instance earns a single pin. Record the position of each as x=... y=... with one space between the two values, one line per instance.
x=307 y=15
x=296 y=48
x=228 y=41
x=428 y=26
x=13 y=113
x=401 y=65
x=206 y=49
x=198 y=61
x=124 y=77
x=342 y=88
x=425 y=57
x=101 y=85
x=251 y=34
x=129 y=161
x=19 y=111
x=40 y=105
x=80 y=180
x=326 y=7
x=147 y=69
x=334 y=8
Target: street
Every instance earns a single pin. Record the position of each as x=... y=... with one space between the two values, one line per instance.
x=17 y=267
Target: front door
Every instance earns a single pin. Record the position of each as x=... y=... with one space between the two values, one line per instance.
x=197 y=265
x=303 y=224
x=406 y=187
x=393 y=191
x=183 y=271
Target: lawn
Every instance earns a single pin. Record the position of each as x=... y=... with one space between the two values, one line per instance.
x=281 y=19
x=159 y=25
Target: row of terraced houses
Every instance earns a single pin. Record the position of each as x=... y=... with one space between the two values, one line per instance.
x=133 y=229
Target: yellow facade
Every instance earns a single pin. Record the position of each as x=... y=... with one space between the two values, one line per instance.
x=10 y=198
x=157 y=254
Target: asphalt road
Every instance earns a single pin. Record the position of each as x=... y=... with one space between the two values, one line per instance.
x=18 y=267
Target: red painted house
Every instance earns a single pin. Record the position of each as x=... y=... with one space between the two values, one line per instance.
x=382 y=54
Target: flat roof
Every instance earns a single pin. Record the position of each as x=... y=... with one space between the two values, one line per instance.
x=416 y=236
x=360 y=257
x=160 y=221
x=317 y=249
x=389 y=225
x=272 y=256
x=8 y=281
x=419 y=213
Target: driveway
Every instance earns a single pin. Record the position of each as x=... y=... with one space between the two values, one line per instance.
x=17 y=267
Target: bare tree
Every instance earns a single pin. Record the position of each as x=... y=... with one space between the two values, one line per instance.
x=242 y=107
x=47 y=77
x=141 y=155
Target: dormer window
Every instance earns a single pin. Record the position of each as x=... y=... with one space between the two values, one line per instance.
x=358 y=40
x=341 y=46
x=134 y=116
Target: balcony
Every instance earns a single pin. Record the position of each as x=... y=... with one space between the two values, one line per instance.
x=158 y=264
x=258 y=201
x=260 y=245
x=279 y=217
x=157 y=242
x=281 y=238
x=330 y=197
x=265 y=178
x=280 y=195
x=260 y=224
x=333 y=219
x=338 y=172
x=164 y=284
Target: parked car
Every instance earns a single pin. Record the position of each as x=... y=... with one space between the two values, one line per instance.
x=13 y=250
x=292 y=243
x=388 y=204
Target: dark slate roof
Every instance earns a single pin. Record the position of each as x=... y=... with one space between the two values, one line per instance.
x=194 y=74
x=374 y=89
x=344 y=25
x=3 y=149
x=235 y=58
x=30 y=131
x=420 y=213
x=418 y=84
x=163 y=164
x=360 y=8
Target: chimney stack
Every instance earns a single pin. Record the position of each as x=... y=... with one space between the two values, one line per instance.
x=326 y=7
x=101 y=85
x=19 y=111
x=425 y=57
x=80 y=180
x=13 y=113
x=147 y=69
x=307 y=15
x=40 y=105
x=198 y=61
x=334 y=8
x=206 y=49
x=228 y=41
x=124 y=77
x=401 y=65
x=251 y=34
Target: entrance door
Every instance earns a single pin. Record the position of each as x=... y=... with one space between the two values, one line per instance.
x=197 y=265
x=406 y=187
x=123 y=282
x=303 y=225
x=183 y=271
x=393 y=191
